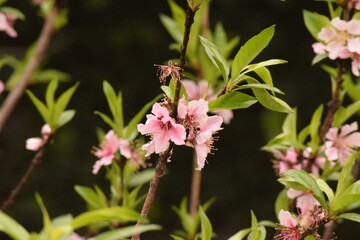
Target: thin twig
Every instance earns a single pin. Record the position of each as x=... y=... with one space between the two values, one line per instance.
x=43 y=42
x=195 y=188
x=163 y=157
x=35 y=161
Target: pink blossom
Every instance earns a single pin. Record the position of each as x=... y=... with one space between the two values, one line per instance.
x=340 y=146
x=286 y=161
x=38 y=2
x=7 y=21
x=162 y=128
x=75 y=236
x=354 y=4
x=108 y=149
x=2 y=87
x=203 y=90
x=319 y=48
x=305 y=201
x=355 y=65
x=289 y=229
x=34 y=144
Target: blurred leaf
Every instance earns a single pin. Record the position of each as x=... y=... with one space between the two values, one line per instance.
x=105 y=215
x=47 y=75
x=50 y=93
x=140 y=178
x=206 y=228
x=178 y=14
x=126 y=232
x=40 y=106
x=130 y=131
x=176 y=237
x=259 y=85
x=314 y=127
x=310 y=237
x=216 y=57
x=315 y=22
x=13 y=11
x=350 y=216
x=61 y=19
x=251 y=49
x=241 y=234
x=65 y=117
x=232 y=100
x=12 y=228
x=318 y=58
x=106 y=119
x=172 y=27
x=46 y=217
x=282 y=201
x=91 y=197
x=352 y=89
x=343 y=114
x=326 y=189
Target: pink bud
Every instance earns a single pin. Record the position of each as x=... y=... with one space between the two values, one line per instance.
x=34 y=144
x=46 y=130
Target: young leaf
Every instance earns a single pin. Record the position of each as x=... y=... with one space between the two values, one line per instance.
x=172 y=27
x=90 y=197
x=254 y=67
x=140 y=178
x=65 y=117
x=216 y=57
x=232 y=100
x=259 y=85
x=241 y=234
x=350 y=216
x=326 y=189
x=251 y=49
x=177 y=237
x=46 y=217
x=206 y=228
x=314 y=126
x=12 y=228
x=108 y=120
x=130 y=131
x=315 y=22
x=281 y=202
x=309 y=182
x=40 y=106
x=50 y=93
x=126 y=232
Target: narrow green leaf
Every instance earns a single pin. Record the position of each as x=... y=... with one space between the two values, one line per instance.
x=172 y=27
x=115 y=105
x=177 y=237
x=259 y=85
x=206 y=228
x=40 y=106
x=265 y=75
x=314 y=127
x=309 y=182
x=282 y=201
x=253 y=67
x=126 y=232
x=350 y=216
x=62 y=102
x=105 y=215
x=343 y=114
x=178 y=14
x=346 y=178
x=216 y=57
x=241 y=234
x=310 y=237
x=318 y=58
x=12 y=228
x=232 y=100
x=326 y=189
x=65 y=117
x=251 y=49
x=315 y=22
x=344 y=200
x=130 y=131
x=13 y=11
x=46 y=217
x=141 y=178
x=90 y=196
x=50 y=93
x=106 y=119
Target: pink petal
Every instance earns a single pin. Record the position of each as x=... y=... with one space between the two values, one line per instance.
x=212 y=124
x=332 y=134
x=355 y=66
x=353 y=140
x=191 y=89
x=353 y=27
x=202 y=151
x=160 y=111
x=198 y=108
x=124 y=147
x=150 y=126
x=339 y=24
x=226 y=115
x=354 y=45
x=177 y=134
x=331 y=154
x=286 y=219
x=182 y=108
x=34 y=144
x=149 y=148
x=335 y=48
x=106 y=161
x=2 y=87
x=306 y=203
x=327 y=34
x=319 y=48
x=161 y=141
x=292 y=193
x=348 y=128
x=204 y=89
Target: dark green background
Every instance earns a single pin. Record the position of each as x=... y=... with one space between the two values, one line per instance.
x=120 y=41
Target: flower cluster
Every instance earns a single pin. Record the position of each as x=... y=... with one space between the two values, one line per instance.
x=341 y=40
x=194 y=128
x=7 y=21
x=110 y=147
x=338 y=147
x=354 y=4
x=203 y=90
x=34 y=144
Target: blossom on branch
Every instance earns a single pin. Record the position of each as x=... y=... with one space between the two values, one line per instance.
x=34 y=144
x=339 y=146
x=2 y=87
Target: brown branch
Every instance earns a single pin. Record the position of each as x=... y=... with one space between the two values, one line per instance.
x=329 y=230
x=43 y=42
x=163 y=157
x=35 y=161
x=195 y=188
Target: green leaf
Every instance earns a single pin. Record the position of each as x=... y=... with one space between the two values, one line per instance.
x=13 y=11
x=177 y=237
x=140 y=178
x=309 y=182
x=65 y=117
x=346 y=178
x=206 y=228
x=314 y=127
x=188 y=222
x=343 y=114
x=265 y=75
x=350 y=216
x=50 y=93
x=105 y=215
x=106 y=119
x=12 y=228
x=326 y=189
x=318 y=58
x=90 y=197
x=259 y=85
x=315 y=22
x=345 y=200
x=282 y=201
x=130 y=131
x=40 y=106
x=260 y=65
x=172 y=27
x=241 y=234
x=310 y=237
x=62 y=102
x=251 y=49
x=178 y=14
x=216 y=57
x=232 y=100
x=46 y=217
x=126 y=232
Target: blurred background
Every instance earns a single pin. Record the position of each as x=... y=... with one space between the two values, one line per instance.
x=120 y=41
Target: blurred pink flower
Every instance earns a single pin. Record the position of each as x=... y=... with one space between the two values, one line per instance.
x=38 y=2
x=7 y=21
x=2 y=87
x=289 y=229
x=34 y=144
x=305 y=201
x=108 y=149
x=340 y=146
x=355 y=65
x=285 y=161
x=354 y=4
x=203 y=90
x=162 y=128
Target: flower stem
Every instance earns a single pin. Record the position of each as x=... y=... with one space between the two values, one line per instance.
x=43 y=42
x=163 y=157
x=195 y=189
x=35 y=161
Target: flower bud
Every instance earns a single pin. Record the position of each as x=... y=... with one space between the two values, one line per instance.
x=34 y=144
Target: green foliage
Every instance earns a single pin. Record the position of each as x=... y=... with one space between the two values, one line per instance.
x=206 y=228
x=350 y=216
x=232 y=100
x=282 y=201
x=53 y=111
x=314 y=22
x=12 y=228
x=94 y=199
x=256 y=232
x=314 y=127
x=13 y=11
x=126 y=232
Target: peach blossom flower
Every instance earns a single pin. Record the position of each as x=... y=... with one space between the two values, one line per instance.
x=2 y=87
x=7 y=21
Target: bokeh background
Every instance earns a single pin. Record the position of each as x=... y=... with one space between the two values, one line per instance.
x=120 y=41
